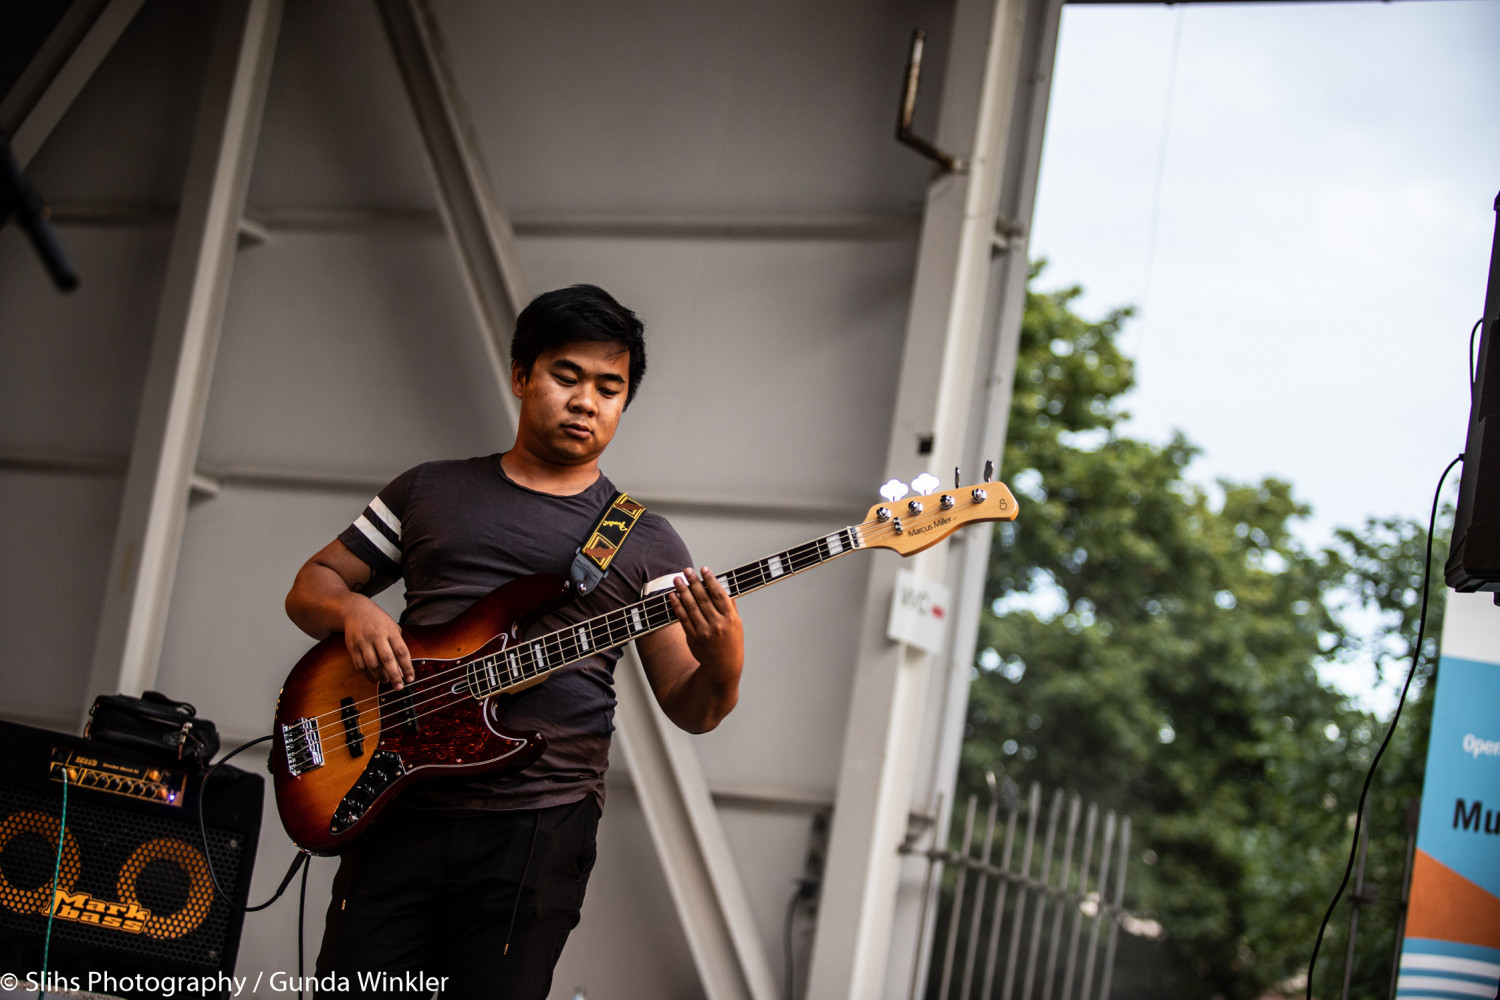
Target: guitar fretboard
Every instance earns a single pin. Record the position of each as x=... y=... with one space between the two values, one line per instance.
x=529 y=660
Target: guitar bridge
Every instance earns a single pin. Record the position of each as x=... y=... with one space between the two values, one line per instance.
x=304 y=748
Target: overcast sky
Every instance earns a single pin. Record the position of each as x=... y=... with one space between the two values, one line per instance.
x=1322 y=233
x=1326 y=175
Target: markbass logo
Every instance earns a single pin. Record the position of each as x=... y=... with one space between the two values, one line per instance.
x=82 y=908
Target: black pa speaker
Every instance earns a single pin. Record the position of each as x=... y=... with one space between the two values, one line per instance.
x=1474 y=554
x=134 y=898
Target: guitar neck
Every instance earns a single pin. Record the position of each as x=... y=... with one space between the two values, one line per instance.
x=527 y=661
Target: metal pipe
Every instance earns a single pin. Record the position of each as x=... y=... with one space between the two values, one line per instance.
x=994 y=946
x=1104 y=856
x=958 y=899
x=976 y=921
x=1075 y=813
x=1083 y=881
x=1033 y=808
x=934 y=871
x=904 y=134
x=1040 y=917
x=1116 y=910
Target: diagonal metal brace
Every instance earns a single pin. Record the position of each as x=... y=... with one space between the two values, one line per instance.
x=477 y=223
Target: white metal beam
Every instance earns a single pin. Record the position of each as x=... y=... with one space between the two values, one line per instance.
x=1023 y=157
x=931 y=430
x=261 y=223
x=170 y=424
x=1017 y=201
x=472 y=213
x=701 y=875
x=37 y=101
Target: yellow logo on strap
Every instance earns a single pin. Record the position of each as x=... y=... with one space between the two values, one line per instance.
x=611 y=531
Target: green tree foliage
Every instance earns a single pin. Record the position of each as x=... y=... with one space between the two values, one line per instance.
x=1153 y=644
x=1381 y=569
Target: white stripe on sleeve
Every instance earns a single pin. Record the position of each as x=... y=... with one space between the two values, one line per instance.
x=377 y=539
x=384 y=513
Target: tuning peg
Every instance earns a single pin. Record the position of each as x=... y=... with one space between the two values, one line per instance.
x=893 y=490
x=989 y=470
x=958 y=479
x=925 y=483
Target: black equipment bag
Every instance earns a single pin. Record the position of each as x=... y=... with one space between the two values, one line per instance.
x=154 y=724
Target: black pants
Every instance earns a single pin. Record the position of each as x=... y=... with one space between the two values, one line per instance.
x=485 y=901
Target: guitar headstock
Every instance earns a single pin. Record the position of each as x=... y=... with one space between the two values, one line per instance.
x=909 y=524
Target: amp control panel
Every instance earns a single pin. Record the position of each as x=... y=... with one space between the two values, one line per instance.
x=119 y=777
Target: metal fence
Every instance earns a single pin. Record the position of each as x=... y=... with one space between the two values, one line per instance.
x=1039 y=923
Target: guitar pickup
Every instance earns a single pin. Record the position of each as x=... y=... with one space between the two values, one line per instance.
x=353 y=738
x=304 y=748
x=398 y=706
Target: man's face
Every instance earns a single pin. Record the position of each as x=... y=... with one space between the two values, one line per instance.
x=571 y=400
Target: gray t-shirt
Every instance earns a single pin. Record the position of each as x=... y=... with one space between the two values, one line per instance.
x=456 y=530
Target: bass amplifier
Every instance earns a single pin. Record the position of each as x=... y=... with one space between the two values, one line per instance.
x=134 y=899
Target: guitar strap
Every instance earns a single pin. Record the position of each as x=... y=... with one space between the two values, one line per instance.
x=591 y=563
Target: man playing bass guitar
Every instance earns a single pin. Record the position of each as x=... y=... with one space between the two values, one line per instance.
x=477 y=879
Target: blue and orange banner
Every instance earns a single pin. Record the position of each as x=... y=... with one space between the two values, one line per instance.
x=1452 y=945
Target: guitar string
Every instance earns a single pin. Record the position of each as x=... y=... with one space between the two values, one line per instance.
x=437 y=689
x=434 y=693
x=437 y=693
x=613 y=634
x=445 y=694
x=557 y=642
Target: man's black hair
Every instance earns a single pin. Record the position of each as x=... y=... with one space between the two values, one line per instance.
x=578 y=312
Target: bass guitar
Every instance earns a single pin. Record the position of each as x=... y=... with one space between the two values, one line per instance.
x=344 y=746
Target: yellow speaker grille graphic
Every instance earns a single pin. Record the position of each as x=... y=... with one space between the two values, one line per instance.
x=36 y=899
x=200 y=896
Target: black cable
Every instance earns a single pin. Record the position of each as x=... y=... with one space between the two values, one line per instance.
x=806 y=890
x=208 y=856
x=786 y=940
x=301 y=932
x=1416 y=658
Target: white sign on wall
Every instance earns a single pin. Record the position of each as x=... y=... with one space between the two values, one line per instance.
x=919 y=612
